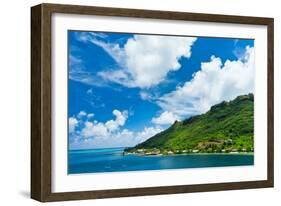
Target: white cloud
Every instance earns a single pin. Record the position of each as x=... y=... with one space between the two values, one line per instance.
x=146 y=133
x=214 y=83
x=82 y=36
x=94 y=130
x=83 y=76
x=120 y=120
x=94 y=134
x=124 y=134
x=145 y=60
x=102 y=130
x=86 y=36
x=99 y=34
x=72 y=124
x=146 y=95
x=165 y=118
x=81 y=114
x=89 y=116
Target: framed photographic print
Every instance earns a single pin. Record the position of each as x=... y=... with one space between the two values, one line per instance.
x=132 y=102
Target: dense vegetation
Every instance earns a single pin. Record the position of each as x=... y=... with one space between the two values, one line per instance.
x=226 y=127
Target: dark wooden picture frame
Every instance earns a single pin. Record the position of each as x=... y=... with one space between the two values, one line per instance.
x=41 y=116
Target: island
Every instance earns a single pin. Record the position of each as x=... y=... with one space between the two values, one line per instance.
x=228 y=127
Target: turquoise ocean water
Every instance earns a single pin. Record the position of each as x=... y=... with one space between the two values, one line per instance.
x=113 y=160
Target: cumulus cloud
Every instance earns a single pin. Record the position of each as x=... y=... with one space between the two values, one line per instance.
x=86 y=133
x=213 y=83
x=165 y=118
x=144 y=60
x=72 y=122
x=146 y=133
x=91 y=130
x=102 y=130
x=120 y=120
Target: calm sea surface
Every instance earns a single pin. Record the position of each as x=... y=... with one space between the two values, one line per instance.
x=113 y=160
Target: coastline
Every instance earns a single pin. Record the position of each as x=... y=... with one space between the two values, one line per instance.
x=187 y=154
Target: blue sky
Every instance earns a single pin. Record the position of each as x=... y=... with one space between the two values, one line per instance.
x=124 y=88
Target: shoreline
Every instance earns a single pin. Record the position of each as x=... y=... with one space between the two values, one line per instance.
x=170 y=155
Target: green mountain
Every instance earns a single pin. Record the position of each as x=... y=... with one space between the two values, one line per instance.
x=226 y=127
